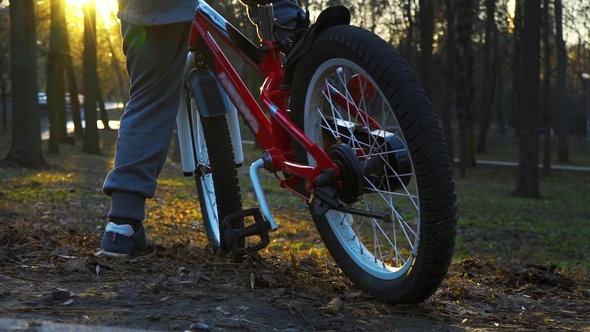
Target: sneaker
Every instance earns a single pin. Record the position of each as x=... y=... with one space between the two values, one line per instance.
x=121 y=241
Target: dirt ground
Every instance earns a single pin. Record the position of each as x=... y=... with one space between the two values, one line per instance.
x=165 y=290
x=51 y=273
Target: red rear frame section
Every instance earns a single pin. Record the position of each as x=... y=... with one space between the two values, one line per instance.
x=274 y=133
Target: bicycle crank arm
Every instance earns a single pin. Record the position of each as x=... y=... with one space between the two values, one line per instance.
x=326 y=202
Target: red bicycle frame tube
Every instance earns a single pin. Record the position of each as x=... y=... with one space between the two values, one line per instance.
x=275 y=134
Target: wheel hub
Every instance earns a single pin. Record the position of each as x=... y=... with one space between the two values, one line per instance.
x=351 y=172
x=388 y=169
x=391 y=168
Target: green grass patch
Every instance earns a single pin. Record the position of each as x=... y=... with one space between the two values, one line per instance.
x=553 y=229
x=550 y=230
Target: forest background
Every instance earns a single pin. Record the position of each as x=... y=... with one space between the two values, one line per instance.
x=509 y=80
x=492 y=68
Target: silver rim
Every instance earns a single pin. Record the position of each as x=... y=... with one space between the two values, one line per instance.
x=209 y=210
x=384 y=250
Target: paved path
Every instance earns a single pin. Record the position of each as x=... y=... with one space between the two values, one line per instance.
x=512 y=163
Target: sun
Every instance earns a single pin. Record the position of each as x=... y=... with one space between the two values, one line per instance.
x=511 y=12
x=106 y=10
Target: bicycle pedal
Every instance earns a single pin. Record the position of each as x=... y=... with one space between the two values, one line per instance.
x=233 y=235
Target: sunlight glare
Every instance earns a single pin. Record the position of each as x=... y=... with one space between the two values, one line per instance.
x=106 y=10
x=511 y=6
x=511 y=12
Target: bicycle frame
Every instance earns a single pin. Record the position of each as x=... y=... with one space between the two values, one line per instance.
x=365 y=223
x=274 y=134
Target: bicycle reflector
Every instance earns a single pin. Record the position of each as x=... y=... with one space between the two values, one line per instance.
x=360 y=88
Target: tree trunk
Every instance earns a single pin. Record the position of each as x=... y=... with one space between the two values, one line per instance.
x=489 y=76
x=4 y=49
x=73 y=88
x=104 y=115
x=516 y=63
x=562 y=111
x=72 y=84
x=25 y=149
x=465 y=14
x=450 y=100
x=63 y=57
x=409 y=42
x=117 y=69
x=4 y=94
x=55 y=87
x=426 y=40
x=500 y=111
x=91 y=140
x=546 y=88
x=527 y=184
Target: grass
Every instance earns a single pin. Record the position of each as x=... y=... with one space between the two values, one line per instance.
x=550 y=230
x=553 y=229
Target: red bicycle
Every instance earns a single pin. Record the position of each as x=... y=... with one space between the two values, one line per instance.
x=350 y=131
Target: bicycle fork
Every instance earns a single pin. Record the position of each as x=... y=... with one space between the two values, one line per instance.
x=212 y=100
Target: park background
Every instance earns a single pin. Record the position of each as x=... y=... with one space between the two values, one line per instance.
x=509 y=82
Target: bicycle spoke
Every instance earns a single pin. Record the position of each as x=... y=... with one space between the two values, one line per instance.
x=347 y=104
x=336 y=112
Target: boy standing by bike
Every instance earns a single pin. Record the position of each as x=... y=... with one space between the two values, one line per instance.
x=155 y=42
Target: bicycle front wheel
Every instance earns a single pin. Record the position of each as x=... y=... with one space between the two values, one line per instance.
x=216 y=175
x=357 y=99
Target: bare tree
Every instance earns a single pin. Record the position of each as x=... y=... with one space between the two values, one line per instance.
x=104 y=115
x=465 y=15
x=426 y=39
x=562 y=112
x=546 y=89
x=450 y=99
x=25 y=149
x=72 y=83
x=117 y=70
x=91 y=140
x=4 y=63
x=408 y=50
x=527 y=184
x=56 y=83
x=516 y=64
x=73 y=89
x=489 y=76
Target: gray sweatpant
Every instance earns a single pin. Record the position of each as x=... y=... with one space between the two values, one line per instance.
x=156 y=58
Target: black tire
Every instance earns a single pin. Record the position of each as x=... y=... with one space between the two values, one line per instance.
x=423 y=208
x=216 y=178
